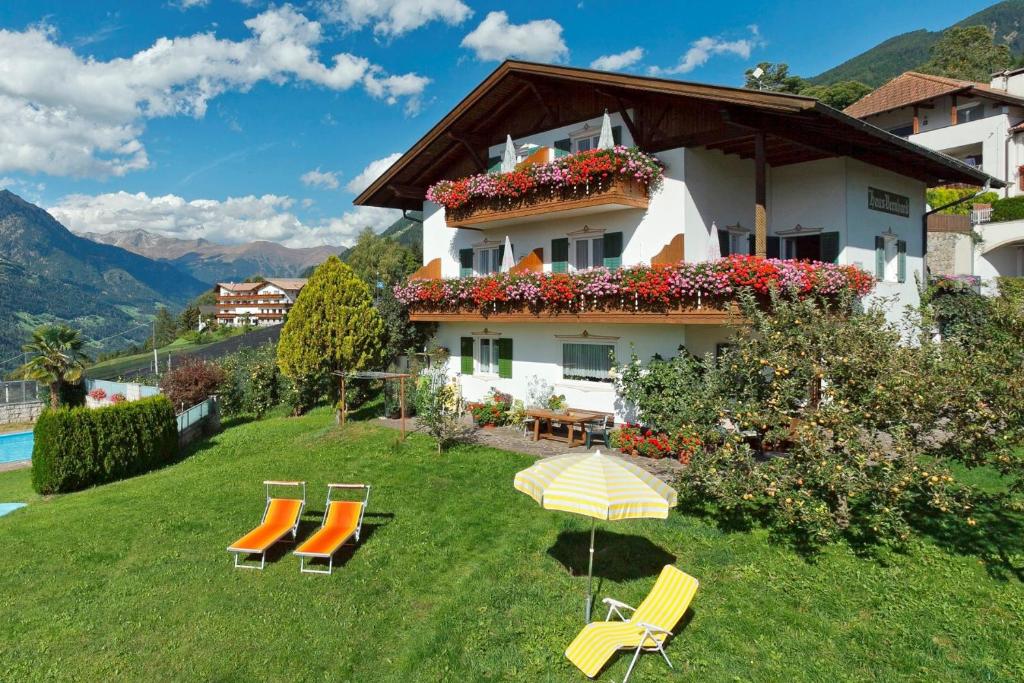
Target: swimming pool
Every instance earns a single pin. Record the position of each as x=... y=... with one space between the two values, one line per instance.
x=17 y=446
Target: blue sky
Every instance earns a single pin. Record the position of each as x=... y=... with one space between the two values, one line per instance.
x=233 y=120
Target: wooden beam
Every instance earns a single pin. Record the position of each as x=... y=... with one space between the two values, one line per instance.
x=634 y=130
x=406 y=191
x=480 y=163
x=953 y=112
x=917 y=120
x=549 y=115
x=760 y=197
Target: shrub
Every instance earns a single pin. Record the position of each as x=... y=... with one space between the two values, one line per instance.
x=1008 y=209
x=865 y=427
x=1012 y=290
x=252 y=384
x=940 y=196
x=77 y=447
x=192 y=382
x=632 y=439
x=440 y=408
x=494 y=409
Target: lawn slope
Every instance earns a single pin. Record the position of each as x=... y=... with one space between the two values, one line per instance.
x=458 y=578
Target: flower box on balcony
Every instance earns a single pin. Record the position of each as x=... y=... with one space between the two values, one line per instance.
x=540 y=203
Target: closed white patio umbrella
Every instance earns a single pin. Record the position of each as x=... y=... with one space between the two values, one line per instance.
x=607 y=140
x=714 y=250
x=598 y=486
x=508 y=259
x=508 y=159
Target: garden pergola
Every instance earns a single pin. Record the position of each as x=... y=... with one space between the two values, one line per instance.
x=343 y=377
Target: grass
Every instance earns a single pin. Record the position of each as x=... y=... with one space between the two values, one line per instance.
x=16 y=427
x=458 y=578
x=114 y=367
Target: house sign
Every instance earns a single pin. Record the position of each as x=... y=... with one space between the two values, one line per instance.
x=888 y=202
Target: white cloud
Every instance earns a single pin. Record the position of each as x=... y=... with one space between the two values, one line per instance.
x=705 y=48
x=189 y=4
x=230 y=221
x=68 y=115
x=373 y=170
x=619 y=61
x=496 y=39
x=318 y=178
x=394 y=17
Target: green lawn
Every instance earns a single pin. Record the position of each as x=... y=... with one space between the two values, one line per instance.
x=458 y=578
x=114 y=367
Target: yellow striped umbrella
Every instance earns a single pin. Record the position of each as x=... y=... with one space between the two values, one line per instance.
x=598 y=486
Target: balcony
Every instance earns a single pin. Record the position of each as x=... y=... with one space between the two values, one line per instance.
x=545 y=204
x=578 y=184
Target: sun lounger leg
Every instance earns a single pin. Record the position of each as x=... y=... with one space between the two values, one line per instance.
x=636 y=655
x=661 y=649
x=242 y=565
x=309 y=570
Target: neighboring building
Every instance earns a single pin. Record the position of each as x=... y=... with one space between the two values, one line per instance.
x=256 y=303
x=782 y=171
x=979 y=123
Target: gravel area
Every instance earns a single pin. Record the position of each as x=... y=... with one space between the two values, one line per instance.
x=512 y=439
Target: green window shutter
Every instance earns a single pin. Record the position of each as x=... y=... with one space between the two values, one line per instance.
x=723 y=242
x=505 y=358
x=774 y=249
x=613 y=250
x=493 y=164
x=560 y=255
x=617 y=135
x=465 y=262
x=830 y=247
x=466 y=351
x=562 y=147
x=879 y=257
x=901 y=260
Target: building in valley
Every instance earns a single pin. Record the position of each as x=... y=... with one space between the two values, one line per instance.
x=256 y=303
x=982 y=124
x=776 y=175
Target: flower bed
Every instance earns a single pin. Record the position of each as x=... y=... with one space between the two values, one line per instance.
x=636 y=288
x=588 y=171
x=632 y=439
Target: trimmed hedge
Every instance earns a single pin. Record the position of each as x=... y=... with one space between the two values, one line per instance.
x=76 y=448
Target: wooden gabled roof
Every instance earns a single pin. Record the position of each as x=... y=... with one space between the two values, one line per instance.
x=912 y=87
x=525 y=98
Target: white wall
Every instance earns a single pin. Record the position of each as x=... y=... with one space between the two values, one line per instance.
x=536 y=351
x=720 y=190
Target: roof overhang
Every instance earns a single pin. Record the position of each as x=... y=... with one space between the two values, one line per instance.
x=525 y=98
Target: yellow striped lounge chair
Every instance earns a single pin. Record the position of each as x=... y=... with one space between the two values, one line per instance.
x=647 y=629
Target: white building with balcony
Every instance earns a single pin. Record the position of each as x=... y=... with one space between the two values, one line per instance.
x=780 y=172
x=256 y=303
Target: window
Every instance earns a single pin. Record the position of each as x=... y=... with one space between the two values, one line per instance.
x=487 y=356
x=903 y=131
x=488 y=260
x=586 y=143
x=587 y=362
x=588 y=252
x=972 y=112
x=739 y=243
x=890 y=259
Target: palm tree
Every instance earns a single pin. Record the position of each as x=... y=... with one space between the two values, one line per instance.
x=58 y=358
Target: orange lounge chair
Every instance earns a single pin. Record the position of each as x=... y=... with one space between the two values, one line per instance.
x=280 y=518
x=343 y=519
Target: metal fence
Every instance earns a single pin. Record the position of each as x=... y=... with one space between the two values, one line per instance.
x=21 y=391
x=195 y=414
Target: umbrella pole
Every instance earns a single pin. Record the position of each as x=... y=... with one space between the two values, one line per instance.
x=590 y=571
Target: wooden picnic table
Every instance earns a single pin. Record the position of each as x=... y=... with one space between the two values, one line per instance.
x=570 y=418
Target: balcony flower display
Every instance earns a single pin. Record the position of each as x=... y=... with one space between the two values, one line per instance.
x=588 y=171
x=707 y=283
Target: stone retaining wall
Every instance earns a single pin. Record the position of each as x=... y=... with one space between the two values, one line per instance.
x=12 y=413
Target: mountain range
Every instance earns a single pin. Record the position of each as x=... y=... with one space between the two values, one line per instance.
x=910 y=50
x=49 y=274
x=210 y=262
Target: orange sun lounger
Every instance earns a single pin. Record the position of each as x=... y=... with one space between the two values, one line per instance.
x=343 y=519
x=280 y=518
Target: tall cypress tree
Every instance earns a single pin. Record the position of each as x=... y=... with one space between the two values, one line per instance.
x=333 y=327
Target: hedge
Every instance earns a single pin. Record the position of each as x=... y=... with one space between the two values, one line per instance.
x=1009 y=209
x=80 y=447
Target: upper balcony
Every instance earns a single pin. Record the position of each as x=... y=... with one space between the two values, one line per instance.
x=550 y=184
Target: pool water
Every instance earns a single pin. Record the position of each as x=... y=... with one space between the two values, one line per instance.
x=17 y=446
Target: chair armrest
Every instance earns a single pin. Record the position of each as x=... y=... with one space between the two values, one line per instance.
x=652 y=628
x=612 y=602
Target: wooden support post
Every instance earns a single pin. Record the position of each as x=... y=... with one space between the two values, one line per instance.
x=760 y=197
x=953 y=112
x=917 y=121
x=401 y=402
x=342 y=406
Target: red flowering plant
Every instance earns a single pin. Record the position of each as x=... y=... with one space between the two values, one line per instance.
x=640 y=287
x=632 y=439
x=493 y=410
x=97 y=394
x=592 y=170
x=118 y=398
